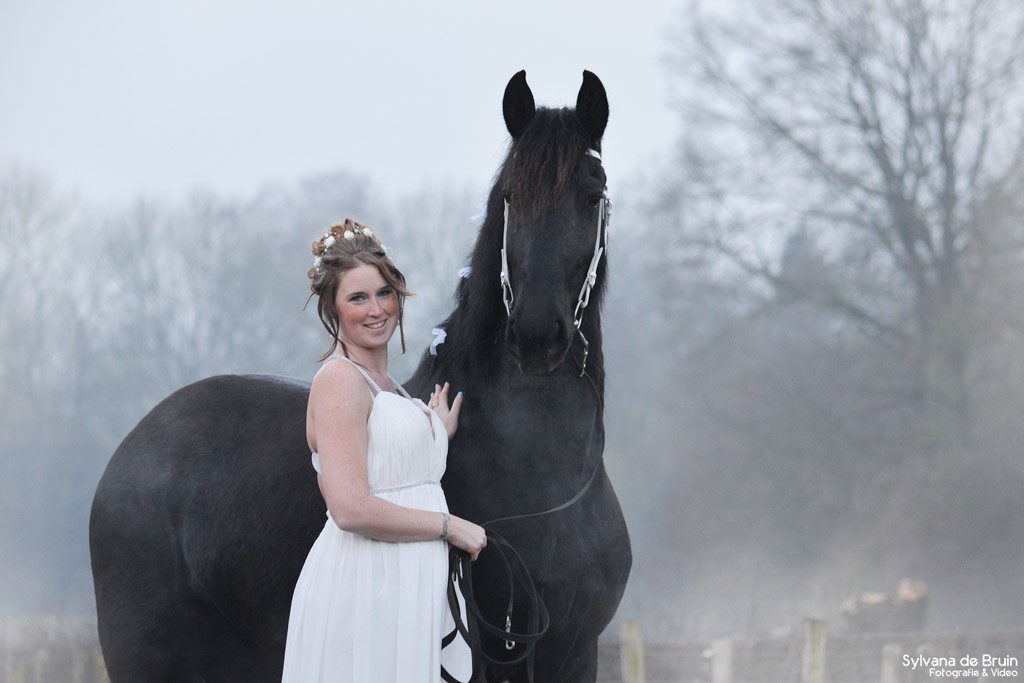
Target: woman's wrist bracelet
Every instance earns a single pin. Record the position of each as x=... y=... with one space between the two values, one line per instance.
x=444 y=526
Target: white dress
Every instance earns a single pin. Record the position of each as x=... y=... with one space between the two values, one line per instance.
x=368 y=611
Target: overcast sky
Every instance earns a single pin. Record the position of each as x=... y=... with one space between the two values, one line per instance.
x=121 y=98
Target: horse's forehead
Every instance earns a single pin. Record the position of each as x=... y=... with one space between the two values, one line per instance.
x=538 y=189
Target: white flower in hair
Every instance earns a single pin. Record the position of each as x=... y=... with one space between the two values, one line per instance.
x=329 y=240
x=366 y=231
x=349 y=235
x=317 y=262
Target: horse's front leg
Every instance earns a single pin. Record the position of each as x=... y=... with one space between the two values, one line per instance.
x=568 y=656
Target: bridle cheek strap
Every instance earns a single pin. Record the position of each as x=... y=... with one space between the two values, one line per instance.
x=604 y=214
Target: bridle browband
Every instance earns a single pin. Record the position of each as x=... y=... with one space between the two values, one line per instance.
x=604 y=215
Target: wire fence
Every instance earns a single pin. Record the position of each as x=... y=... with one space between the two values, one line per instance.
x=815 y=656
x=66 y=650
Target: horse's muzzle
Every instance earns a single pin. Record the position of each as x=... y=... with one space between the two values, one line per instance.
x=539 y=349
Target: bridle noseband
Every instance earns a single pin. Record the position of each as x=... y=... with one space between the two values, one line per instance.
x=604 y=214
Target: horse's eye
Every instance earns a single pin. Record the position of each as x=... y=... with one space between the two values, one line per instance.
x=594 y=200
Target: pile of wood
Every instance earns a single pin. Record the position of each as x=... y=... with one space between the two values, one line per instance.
x=875 y=612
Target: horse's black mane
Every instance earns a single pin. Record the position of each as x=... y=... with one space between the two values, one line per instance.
x=540 y=164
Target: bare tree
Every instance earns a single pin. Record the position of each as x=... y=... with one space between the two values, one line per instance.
x=43 y=275
x=38 y=274
x=889 y=132
x=837 y=251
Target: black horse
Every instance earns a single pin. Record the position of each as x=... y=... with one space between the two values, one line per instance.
x=204 y=516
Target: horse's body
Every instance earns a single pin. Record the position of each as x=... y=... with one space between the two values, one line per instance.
x=205 y=514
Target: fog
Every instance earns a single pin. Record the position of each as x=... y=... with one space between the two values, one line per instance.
x=813 y=323
x=120 y=99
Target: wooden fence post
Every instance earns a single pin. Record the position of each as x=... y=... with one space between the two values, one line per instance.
x=16 y=671
x=813 y=669
x=40 y=659
x=890 y=663
x=631 y=652
x=721 y=661
x=78 y=666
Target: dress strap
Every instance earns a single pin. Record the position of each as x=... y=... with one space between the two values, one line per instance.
x=357 y=366
x=366 y=375
x=400 y=388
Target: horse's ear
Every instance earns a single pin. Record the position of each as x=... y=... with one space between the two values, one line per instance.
x=518 y=105
x=592 y=109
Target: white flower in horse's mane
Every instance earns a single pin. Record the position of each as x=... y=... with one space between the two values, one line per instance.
x=465 y=272
x=439 y=337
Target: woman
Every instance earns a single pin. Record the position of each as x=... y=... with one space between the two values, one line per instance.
x=370 y=605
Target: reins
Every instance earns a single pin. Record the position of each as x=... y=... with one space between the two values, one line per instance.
x=538 y=620
x=460 y=575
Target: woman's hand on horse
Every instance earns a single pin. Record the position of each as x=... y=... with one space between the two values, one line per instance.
x=467 y=536
x=449 y=413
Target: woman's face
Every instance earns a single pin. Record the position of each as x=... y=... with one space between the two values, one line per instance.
x=367 y=308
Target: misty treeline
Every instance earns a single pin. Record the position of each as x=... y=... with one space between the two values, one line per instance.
x=106 y=312
x=836 y=262
x=813 y=327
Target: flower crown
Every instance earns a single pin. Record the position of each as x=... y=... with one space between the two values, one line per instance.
x=347 y=230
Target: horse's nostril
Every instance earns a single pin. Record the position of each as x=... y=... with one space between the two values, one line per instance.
x=536 y=333
x=559 y=329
